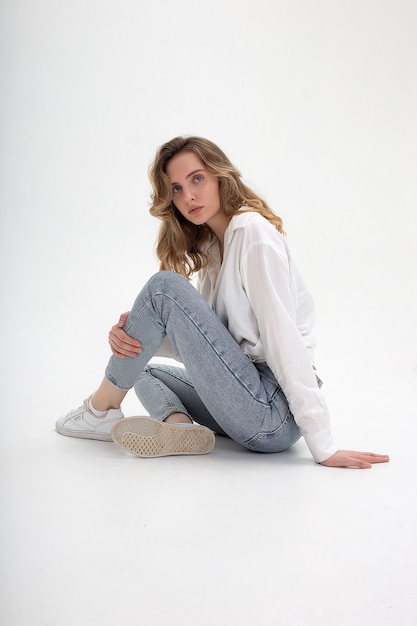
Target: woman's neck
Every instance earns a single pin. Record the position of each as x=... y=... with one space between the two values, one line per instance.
x=218 y=224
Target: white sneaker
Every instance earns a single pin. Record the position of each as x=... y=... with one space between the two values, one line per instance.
x=84 y=424
x=147 y=437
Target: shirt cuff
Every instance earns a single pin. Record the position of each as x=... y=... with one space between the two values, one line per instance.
x=321 y=446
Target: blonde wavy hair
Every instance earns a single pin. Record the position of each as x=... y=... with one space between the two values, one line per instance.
x=180 y=243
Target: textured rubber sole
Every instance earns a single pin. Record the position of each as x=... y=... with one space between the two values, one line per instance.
x=147 y=437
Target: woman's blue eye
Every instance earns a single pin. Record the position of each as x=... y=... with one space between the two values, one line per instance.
x=176 y=189
x=198 y=179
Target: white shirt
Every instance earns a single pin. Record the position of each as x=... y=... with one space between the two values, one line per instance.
x=262 y=300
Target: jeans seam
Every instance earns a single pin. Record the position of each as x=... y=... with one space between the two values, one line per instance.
x=186 y=382
x=269 y=432
x=240 y=382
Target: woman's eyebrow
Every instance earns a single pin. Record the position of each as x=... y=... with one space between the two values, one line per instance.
x=189 y=175
x=194 y=172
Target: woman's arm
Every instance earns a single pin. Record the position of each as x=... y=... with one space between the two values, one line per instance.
x=266 y=278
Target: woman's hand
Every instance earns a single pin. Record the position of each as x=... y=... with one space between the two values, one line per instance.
x=121 y=344
x=350 y=458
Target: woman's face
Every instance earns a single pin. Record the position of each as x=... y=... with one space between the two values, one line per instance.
x=195 y=190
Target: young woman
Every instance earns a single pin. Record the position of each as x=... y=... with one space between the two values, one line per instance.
x=244 y=336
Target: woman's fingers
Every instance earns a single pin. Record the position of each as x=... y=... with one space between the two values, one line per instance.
x=121 y=344
x=123 y=319
x=352 y=458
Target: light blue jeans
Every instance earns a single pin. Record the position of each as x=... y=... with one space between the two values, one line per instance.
x=219 y=388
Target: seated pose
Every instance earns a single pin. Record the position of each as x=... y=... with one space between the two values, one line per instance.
x=244 y=335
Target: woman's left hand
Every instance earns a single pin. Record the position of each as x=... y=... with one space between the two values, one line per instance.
x=350 y=458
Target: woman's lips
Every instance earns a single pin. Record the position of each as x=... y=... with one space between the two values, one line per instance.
x=195 y=210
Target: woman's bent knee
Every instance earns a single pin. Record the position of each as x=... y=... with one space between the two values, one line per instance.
x=165 y=278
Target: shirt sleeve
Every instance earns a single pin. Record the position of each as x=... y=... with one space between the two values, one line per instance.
x=266 y=276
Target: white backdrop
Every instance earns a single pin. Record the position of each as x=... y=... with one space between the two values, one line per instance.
x=315 y=102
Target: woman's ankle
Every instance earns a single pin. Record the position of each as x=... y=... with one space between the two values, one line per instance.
x=99 y=407
x=178 y=418
x=107 y=397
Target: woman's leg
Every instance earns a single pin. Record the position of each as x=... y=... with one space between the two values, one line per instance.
x=107 y=396
x=163 y=389
x=227 y=382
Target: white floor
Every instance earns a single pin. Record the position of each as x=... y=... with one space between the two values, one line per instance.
x=92 y=535
x=315 y=102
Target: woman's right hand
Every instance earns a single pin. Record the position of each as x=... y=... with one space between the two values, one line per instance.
x=120 y=343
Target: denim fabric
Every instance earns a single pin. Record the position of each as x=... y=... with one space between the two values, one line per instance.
x=220 y=387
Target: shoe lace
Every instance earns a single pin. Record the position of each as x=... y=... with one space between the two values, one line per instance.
x=76 y=412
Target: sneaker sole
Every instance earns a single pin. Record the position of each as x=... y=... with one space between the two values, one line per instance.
x=147 y=437
x=83 y=434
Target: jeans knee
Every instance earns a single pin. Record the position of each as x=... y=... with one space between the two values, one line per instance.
x=163 y=279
